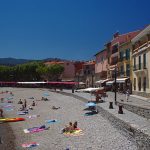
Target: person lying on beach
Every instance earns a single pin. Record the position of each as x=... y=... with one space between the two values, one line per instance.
x=70 y=128
x=1 y=112
x=33 y=103
x=22 y=108
x=20 y=102
x=55 y=107
x=44 y=99
x=2 y=100
x=11 y=94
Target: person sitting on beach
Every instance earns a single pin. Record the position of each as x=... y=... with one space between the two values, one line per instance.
x=69 y=128
x=23 y=108
x=33 y=103
x=20 y=102
x=75 y=125
x=1 y=112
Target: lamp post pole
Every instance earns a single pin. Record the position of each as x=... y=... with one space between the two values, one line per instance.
x=115 y=86
x=92 y=77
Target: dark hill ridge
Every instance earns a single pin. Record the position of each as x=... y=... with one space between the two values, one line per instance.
x=15 y=61
x=12 y=61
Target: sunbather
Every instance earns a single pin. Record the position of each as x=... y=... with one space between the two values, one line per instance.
x=55 y=107
x=23 y=108
x=33 y=103
x=20 y=102
x=1 y=112
x=70 y=128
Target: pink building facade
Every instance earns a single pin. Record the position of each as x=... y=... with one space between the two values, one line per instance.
x=69 y=69
x=101 y=65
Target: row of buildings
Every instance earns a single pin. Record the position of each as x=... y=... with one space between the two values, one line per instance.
x=125 y=56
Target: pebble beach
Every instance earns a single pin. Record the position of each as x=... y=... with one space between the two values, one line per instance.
x=97 y=132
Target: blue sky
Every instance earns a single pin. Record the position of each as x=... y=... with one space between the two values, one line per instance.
x=67 y=29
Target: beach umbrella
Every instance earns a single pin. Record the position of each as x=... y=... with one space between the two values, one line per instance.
x=46 y=94
x=90 y=104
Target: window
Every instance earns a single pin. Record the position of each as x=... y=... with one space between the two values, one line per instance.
x=139 y=84
x=115 y=49
x=128 y=70
x=134 y=63
x=134 y=83
x=121 y=56
x=144 y=84
x=122 y=70
x=127 y=54
x=139 y=62
x=144 y=61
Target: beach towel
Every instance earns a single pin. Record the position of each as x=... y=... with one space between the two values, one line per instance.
x=33 y=116
x=46 y=94
x=76 y=132
x=30 y=145
x=11 y=119
x=7 y=106
x=36 y=129
x=8 y=109
x=51 y=121
x=90 y=113
x=21 y=113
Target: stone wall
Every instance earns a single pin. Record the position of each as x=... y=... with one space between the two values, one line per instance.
x=143 y=94
x=142 y=139
x=141 y=111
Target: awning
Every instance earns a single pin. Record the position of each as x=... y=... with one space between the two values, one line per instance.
x=121 y=80
x=102 y=81
x=31 y=82
x=110 y=82
x=81 y=83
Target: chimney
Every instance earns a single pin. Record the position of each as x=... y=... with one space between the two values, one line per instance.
x=116 y=35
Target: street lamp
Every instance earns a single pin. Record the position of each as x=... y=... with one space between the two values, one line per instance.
x=77 y=74
x=115 y=85
x=92 y=77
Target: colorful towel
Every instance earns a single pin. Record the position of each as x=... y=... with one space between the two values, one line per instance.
x=33 y=116
x=51 y=121
x=9 y=109
x=76 y=132
x=36 y=129
x=30 y=145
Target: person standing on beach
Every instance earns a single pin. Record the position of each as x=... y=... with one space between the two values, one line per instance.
x=1 y=112
x=127 y=94
x=25 y=103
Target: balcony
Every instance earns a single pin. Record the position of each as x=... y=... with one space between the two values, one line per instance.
x=140 y=67
x=141 y=48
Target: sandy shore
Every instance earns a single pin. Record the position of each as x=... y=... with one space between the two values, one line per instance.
x=98 y=133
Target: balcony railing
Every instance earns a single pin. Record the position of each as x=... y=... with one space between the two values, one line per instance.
x=139 y=67
x=141 y=46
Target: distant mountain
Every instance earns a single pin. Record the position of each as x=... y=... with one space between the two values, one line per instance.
x=13 y=61
x=53 y=59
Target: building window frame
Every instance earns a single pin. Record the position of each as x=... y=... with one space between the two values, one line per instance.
x=139 y=62
x=139 y=83
x=144 y=60
x=144 y=84
x=134 y=83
